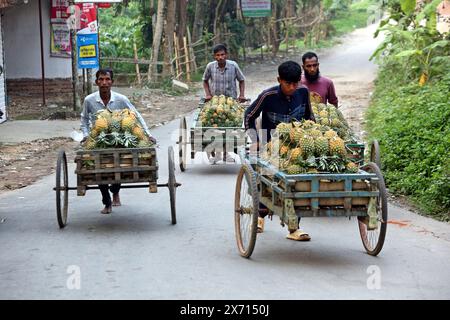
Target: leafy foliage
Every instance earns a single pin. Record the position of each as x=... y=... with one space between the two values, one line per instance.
x=412 y=124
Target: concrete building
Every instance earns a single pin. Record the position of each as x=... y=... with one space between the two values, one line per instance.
x=30 y=73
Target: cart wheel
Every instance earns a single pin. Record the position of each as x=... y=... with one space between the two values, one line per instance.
x=172 y=186
x=62 y=184
x=246 y=209
x=373 y=240
x=375 y=153
x=182 y=144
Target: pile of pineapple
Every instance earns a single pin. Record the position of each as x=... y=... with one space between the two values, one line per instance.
x=117 y=129
x=330 y=116
x=307 y=147
x=221 y=111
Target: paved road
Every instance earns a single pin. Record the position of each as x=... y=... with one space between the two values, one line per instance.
x=135 y=253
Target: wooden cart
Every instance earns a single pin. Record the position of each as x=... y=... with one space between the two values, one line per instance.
x=129 y=167
x=291 y=197
x=203 y=139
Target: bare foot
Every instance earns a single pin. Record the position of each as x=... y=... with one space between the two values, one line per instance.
x=106 y=210
x=116 y=200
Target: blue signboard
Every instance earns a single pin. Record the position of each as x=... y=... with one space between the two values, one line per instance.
x=87 y=50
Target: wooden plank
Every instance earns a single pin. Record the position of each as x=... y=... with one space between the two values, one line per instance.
x=120 y=170
x=117 y=164
x=135 y=164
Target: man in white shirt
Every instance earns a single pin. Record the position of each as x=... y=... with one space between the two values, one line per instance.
x=105 y=98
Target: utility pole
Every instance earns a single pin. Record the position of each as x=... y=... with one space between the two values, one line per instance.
x=73 y=40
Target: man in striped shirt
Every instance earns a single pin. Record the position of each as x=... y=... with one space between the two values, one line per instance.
x=220 y=78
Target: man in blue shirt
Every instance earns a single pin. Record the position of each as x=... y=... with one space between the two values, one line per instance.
x=281 y=103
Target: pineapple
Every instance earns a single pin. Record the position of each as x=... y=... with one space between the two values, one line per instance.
x=94 y=133
x=230 y=101
x=284 y=150
x=307 y=144
x=351 y=167
x=296 y=153
x=139 y=133
x=308 y=124
x=128 y=123
x=105 y=113
x=337 y=147
x=295 y=134
x=323 y=114
x=321 y=146
x=90 y=143
x=335 y=122
x=283 y=130
x=315 y=133
x=144 y=144
x=115 y=124
x=295 y=169
x=330 y=134
x=222 y=99
x=101 y=124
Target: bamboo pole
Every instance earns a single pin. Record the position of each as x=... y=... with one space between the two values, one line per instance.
x=177 y=54
x=186 y=57
x=191 y=51
x=138 y=74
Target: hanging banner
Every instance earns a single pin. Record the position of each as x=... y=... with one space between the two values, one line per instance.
x=88 y=18
x=256 y=8
x=87 y=49
x=60 y=45
x=58 y=11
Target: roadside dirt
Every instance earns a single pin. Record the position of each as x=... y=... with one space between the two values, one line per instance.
x=25 y=163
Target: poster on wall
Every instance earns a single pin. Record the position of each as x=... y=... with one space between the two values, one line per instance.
x=256 y=8
x=58 y=11
x=60 y=45
x=88 y=18
x=87 y=49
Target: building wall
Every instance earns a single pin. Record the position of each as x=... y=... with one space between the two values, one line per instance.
x=22 y=43
x=2 y=78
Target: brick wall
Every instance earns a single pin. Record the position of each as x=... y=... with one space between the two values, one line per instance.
x=33 y=87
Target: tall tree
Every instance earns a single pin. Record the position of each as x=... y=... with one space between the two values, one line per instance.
x=169 y=29
x=157 y=37
x=199 y=20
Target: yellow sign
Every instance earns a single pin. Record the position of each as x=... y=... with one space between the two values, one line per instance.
x=88 y=51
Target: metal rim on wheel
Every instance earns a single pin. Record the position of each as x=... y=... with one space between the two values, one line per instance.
x=375 y=153
x=373 y=240
x=182 y=144
x=62 y=192
x=172 y=186
x=246 y=210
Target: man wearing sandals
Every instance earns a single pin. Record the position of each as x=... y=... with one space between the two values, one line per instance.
x=281 y=103
x=220 y=78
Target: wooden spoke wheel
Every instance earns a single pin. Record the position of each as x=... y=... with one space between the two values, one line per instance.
x=246 y=210
x=172 y=184
x=61 y=188
x=373 y=239
x=182 y=144
x=375 y=153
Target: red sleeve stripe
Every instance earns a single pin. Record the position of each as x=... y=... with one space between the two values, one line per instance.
x=258 y=105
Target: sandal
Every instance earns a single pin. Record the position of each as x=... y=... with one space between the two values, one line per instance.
x=298 y=235
x=260 y=228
